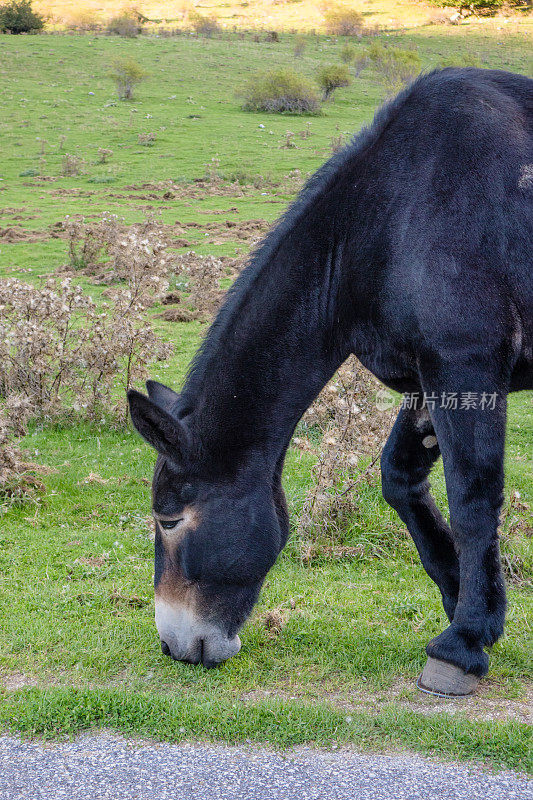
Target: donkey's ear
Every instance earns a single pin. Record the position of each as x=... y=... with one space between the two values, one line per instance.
x=162 y=395
x=166 y=434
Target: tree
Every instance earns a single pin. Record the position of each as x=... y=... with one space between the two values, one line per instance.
x=333 y=77
x=19 y=17
x=126 y=73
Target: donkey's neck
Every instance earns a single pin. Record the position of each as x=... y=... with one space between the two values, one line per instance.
x=275 y=343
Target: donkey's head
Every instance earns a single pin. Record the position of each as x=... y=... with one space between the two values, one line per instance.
x=217 y=533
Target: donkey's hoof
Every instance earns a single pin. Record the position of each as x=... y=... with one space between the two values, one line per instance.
x=446 y=680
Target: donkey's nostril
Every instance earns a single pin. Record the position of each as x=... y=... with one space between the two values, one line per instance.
x=165 y=648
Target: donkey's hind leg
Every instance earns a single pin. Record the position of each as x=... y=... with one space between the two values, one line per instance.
x=407 y=458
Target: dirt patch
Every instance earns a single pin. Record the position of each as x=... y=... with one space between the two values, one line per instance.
x=232 y=210
x=73 y=192
x=16 y=680
x=93 y=561
x=274 y=621
x=250 y=231
x=127 y=601
x=485 y=705
x=16 y=214
x=481 y=706
x=14 y=234
x=179 y=315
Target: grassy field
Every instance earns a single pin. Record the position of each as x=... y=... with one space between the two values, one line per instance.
x=78 y=646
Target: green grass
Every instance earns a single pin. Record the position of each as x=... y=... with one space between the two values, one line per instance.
x=282 y=724
x=76 y=597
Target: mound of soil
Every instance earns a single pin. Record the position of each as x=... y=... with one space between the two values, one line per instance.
x=14 y=233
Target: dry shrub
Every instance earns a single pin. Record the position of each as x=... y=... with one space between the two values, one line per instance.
x=127 y=24
x=204 y=25
x=104 y=153
x=300 y=43
x=212 y=172
x=437 y=17
x=336 y=143
x=110 y=251
x=360 y=63
x=62 y=353
x=344 y=21
x=200 y=277
x=88 y=244
x=72 y=165
x=147 y=139
x=352 y=431
x=82 y=20
x=288 y=142
x=17 y=481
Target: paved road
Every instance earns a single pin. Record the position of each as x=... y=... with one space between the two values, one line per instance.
x=107 y=766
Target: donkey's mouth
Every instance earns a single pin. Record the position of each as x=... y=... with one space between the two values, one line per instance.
x=209 y=654
x=186 y=637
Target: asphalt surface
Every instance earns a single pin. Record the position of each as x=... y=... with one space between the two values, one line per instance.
x=107 y=766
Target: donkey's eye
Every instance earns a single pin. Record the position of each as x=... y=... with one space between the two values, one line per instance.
x=168 y=524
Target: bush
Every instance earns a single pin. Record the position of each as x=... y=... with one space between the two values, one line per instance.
x=72 y=165
x=342 y=21
x=147 y=139
x=348 y=54
x=62 y=353
x=85 y=21
x=333 y=77
x=126 y=24
x=17 y=483
x=281 y=91
x=19 y=17
x=485 y=7
x=203 y=25
x=394 y=66
x=346 y=430
x=126 y=73
x=111 y=252
x=300 y=43
x=465 y=60
x=104 y=153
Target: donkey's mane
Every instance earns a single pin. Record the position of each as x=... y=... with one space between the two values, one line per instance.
x=319 y=183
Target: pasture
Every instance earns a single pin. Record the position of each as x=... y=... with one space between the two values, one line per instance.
x=336 y=642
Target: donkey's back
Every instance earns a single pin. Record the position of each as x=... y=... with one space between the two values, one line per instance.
x=452 y=171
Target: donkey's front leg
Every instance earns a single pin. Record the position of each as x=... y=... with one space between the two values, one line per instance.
x=471 y=438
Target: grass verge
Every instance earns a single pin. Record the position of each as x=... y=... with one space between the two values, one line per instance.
x=66 y=712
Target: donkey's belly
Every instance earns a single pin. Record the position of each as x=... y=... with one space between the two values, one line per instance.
x=392 y=366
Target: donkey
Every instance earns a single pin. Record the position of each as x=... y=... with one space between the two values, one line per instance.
x=412 y=248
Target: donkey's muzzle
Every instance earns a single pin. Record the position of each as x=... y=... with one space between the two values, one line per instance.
x=186 y=637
